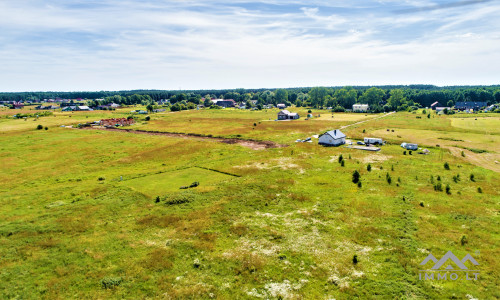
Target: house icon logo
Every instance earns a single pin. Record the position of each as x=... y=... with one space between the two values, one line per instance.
x=449 y=256
x=449 y=266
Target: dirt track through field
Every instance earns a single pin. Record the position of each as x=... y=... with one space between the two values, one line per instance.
x=360 y=122
x=252 y=144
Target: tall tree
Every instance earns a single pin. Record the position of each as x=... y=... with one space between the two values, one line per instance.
x=281 y=96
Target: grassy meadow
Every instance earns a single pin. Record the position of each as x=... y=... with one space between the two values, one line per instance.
x=80 y=219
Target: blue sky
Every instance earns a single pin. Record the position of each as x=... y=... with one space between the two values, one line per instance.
x=70 y=45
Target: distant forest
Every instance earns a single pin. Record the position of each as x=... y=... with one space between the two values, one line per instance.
x=380 y=98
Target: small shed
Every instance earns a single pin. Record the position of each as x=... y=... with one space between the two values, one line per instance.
x=373 y=141
x=332 y=138
x=409 y=146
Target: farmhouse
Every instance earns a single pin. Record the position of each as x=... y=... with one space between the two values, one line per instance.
x=281 y=106
x=332 y=138
x=224 y=102
x=18 y=105
x=470 y=105
x=286 y=115
x=409 y=146
x=435 y=104
x=360 y=107
x=117 y=122
x=373 y=141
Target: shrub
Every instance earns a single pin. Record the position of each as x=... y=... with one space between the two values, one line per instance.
x=480 y=190
x=369 y=168
x=309 y=111
x=410 y=152
x=422 y=204
x=359 y=184
x=39 y=127
x=110 y=282
x=180 y=198
x=157 y=200
x=355 y=176
x=46 y=128
x=364 y=130
x=392 y=167
x=456 y=178
x=446 y=166
x=341 y=158
x=388 y=178
x=472 y=177
x=438 y=187
x=404 y=152
x=463 y=240
x=355 y=259
x=101 y=178
x=342 y=163
x=463 y=154
x=254 y=124
x=448 y=189
x=147 y=118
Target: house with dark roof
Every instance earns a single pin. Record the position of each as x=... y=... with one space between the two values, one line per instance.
x=332 y=138
x=224 y=102
x=286 y=115
x=470 y=105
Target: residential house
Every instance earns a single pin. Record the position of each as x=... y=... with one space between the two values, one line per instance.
x=360 y=108
x=332 y=138
x=83 y=108
x=224 y=102
x=475 y=106
x=281 y=106
x=436 y=104
x=286 y=115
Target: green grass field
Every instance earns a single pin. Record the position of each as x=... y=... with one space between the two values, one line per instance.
x=287 y=226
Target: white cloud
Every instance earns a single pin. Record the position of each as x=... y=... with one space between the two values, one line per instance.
x=73 y=45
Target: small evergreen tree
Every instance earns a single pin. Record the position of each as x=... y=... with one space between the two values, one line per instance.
x=369 y=168
x=446 y=166
x=355 y=176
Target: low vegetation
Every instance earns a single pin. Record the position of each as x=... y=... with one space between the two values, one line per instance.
x=301 y=221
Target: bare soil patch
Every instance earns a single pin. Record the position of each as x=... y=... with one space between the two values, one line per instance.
x=252 y=144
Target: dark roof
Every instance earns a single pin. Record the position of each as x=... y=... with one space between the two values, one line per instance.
x=470 y=104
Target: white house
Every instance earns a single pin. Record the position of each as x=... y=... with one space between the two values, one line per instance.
x=281 y=106
x=332 y=138
x=409 y=146
x=286 y=115
x=360 y=107
x=373 y=141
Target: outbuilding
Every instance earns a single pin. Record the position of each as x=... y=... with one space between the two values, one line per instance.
x=332 y=138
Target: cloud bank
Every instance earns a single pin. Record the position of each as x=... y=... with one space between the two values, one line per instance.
x=111 y=45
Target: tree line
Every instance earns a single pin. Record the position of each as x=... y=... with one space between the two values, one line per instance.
x=380 y=98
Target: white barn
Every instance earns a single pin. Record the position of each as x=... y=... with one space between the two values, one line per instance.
x=360 y=107
x=332 y=138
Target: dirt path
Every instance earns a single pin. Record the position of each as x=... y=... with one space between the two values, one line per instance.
x=383 y=116
x=252 y=144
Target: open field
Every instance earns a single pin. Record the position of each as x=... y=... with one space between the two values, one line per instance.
x=287 y=226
